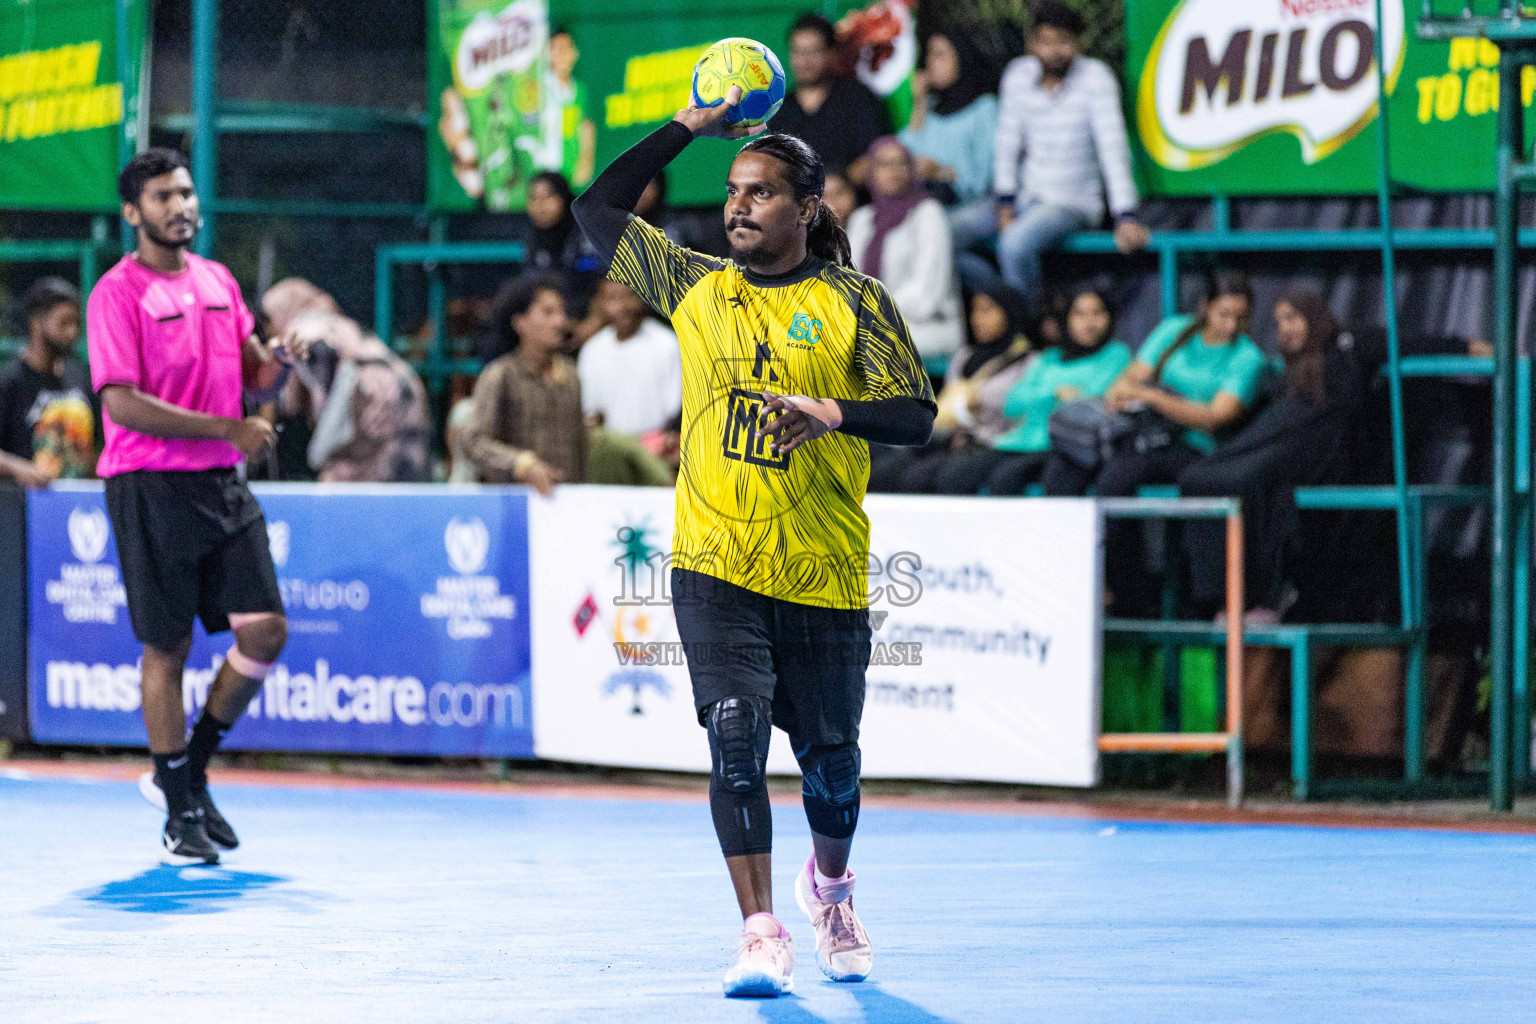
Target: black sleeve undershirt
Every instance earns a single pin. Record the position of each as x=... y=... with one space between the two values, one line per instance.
x=901 y=420
x=604 y=209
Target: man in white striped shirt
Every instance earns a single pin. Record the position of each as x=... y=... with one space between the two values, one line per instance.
x=1061 y=144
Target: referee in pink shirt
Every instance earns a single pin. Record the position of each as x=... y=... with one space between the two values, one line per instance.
x=172 y=349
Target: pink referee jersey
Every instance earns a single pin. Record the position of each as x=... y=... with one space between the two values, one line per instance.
x=177 y=337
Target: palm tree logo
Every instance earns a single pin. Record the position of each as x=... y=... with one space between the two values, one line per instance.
x=635 y=625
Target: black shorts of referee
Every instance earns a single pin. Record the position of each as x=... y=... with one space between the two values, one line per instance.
x=191 y=544
x=809 y=661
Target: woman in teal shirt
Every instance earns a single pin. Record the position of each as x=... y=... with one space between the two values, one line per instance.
x=1199 y=372
x=1084 y=366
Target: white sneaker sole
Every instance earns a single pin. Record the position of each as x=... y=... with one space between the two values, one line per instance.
x=152 y=792
x=757 y=985
x=802 y=898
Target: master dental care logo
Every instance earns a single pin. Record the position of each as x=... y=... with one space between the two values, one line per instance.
x=469 y=601
x=1223 y=73
x=505 y=43
x=85 y=590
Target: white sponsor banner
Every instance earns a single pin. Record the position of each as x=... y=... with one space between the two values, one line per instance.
x=986 y=649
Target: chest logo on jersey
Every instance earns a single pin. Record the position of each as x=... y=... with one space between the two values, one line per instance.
x=738 y=444
x=804 y=330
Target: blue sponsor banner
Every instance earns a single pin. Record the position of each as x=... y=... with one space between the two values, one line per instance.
x=407 y=624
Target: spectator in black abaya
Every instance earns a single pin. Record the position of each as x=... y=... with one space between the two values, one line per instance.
x=1300 y=438
x=555 y=246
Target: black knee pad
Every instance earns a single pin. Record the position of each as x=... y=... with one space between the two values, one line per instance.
x=739 y=729
x=830 y=788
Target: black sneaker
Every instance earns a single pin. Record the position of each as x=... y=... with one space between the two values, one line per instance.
x=186 y=841
x=213 y=822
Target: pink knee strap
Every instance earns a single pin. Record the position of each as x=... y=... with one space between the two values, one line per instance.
x=238 y=619
x=246 y=665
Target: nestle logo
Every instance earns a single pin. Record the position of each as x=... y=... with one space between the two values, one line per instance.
x=1307 y=8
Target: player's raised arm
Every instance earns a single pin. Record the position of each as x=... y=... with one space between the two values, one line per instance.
x=604 y=209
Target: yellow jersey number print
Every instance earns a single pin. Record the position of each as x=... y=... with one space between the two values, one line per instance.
x=790 y=526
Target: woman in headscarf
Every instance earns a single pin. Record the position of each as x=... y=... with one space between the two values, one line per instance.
x=954 y=122
x=1300 y=438
x=902 y=239
x=981 y=374
x=556 y=246
x=1083 y=366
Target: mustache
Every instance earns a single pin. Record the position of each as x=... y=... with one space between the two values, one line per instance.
x=741 y=222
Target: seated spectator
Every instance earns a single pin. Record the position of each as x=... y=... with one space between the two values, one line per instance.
x=365 y=408
x=839 y=196
x=1300 y=438
x=48 y=411
x=902 y=239
x=952 y=131
x=1084 y=366
x=1061 y=143
x=835 y=114
x=1194 y=377
x=632 y=370
x=556 y=246
x=970 y=415
x=527 y=425
x=1199 y=373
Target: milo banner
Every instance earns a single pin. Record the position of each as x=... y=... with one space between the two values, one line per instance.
x=69 y=97
x=567 y=85
x=1280 y=96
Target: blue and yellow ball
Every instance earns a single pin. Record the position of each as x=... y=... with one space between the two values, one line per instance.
x=749 y=64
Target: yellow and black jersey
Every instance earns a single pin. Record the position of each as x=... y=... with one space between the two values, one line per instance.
x=789 y=526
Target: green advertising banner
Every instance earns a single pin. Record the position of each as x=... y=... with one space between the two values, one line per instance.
x=69 y=96
x=567 y=85
x=1279 y=97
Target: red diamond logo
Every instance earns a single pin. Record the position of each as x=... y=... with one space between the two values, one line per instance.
x=584 y=615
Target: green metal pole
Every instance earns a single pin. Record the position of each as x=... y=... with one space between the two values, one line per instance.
x=205 y=140
x=1505 y=285
x=1389 y=303
x=1168 y=275
x=126 y=143
x=1521 y=682
x=1221 y=213
x=383 y=296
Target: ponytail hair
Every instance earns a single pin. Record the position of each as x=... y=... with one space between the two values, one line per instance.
x=825 y=237
x=1219 y=285
x=807 y=176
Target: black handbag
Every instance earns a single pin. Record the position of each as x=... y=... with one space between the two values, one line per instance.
x=1086 y=432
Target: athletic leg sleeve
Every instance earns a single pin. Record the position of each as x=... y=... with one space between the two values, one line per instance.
x=830 y=788
x=739 y=730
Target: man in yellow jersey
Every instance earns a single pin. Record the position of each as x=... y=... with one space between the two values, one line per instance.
x=792 y=364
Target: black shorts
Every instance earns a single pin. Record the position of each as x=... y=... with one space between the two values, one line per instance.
x=190 y=544
x=809 y=661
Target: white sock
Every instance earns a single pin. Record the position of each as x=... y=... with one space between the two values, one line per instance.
x=822 y=879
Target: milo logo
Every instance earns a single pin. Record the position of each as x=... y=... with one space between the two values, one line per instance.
x=1220 y=74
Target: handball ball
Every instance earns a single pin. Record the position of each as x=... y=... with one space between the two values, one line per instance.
x=749 y=64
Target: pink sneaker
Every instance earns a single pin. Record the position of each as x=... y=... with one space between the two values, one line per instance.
x=842 y=945
x=765 y=961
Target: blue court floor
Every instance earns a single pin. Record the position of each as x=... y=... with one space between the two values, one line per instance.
x=382 y=905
